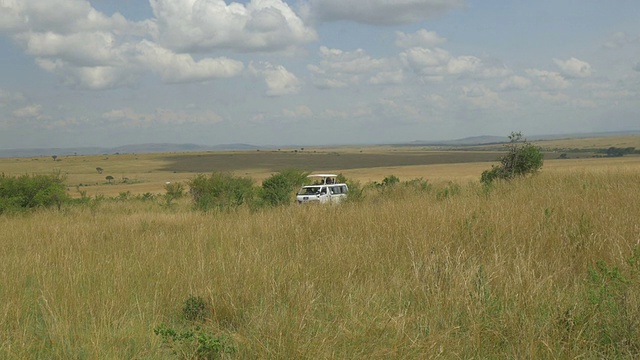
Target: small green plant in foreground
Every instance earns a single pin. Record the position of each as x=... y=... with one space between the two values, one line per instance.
x=194 y=343
x=195 y=309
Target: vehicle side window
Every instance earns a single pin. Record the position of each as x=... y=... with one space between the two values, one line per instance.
x=323 y=191
x=336 y=190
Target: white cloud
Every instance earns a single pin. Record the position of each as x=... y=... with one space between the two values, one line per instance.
x=82 y=49
x=380 y=12
x=87 y=49
x=177 y=68
x=437 y=63
x=8 y=97
x=574 y=67
x=620 y=39
x=132 y=118
x=278 y=79
x=60 y=16
x=352 y=112
x=387 y=77
x=343 y=68
x=482 y=97
x=426 y=61
x=204 y=25
x=514 y=82
x=301 y=111
x=436 y=101
x=421 y=38
x=637 y=66
x=29 y=112
x=549 y=79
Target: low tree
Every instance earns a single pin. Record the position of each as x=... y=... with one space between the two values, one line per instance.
x=99 y=170
x=279 y=188
x=31 y=191
x=221 y=191
x=109 y=178
x=522 y=158
x=55 y=157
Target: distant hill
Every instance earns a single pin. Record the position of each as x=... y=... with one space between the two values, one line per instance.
x=168 y=148
x=474 y=140
x=126 y=149
x=488 y=139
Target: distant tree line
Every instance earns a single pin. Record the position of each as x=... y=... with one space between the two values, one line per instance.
x=618 y=152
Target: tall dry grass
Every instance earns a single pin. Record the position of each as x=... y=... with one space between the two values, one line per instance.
x=458 y=271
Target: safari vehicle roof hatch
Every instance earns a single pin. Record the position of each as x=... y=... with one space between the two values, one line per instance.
x=323 y=178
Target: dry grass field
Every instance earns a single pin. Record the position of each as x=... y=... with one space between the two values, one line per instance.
x=543 y=267
x=148 y=173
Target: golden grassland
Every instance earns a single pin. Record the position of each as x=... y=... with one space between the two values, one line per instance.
x=148 y=173
x=543 y=267
x=455 y=271
x=592 y=143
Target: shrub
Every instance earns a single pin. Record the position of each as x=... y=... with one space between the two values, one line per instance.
x=194 y=343
x=195 y=309
x=279 y=188
x=175 y=190
x=388 y=182
x=27 y=191
x=522 y=158
x=221 y=191
x=356 y=191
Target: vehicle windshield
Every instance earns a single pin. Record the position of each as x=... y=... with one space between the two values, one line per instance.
x=309 y=191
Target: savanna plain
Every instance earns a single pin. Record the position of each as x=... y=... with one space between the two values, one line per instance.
x=436 y=266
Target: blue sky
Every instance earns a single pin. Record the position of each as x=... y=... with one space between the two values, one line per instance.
x=313 y=72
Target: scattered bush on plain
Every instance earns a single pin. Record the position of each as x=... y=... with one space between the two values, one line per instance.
x=221 y=191
x=279 y=188
x=522 y=158
x=31 y=191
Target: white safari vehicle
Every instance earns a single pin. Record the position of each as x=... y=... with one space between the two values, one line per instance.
x=324 y=189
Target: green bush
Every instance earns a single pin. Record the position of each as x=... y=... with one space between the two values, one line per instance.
x=279 y=188
x=522 y=158
x=31 y=191
x=195 y=308
x=221 y=191
x=194 y=343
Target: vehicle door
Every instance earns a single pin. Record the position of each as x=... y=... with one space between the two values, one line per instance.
x=324 y=195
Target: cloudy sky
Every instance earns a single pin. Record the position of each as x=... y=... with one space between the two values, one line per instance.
x=312 y=72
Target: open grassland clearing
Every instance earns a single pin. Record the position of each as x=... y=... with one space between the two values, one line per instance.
x=148 y=173
x=591 y=143
x=540 y=267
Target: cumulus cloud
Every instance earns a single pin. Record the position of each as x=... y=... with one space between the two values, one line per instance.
x=482 y=97
x=340 y=68
x=619 y=40
x=61 y=16
x=379 y=12
x=574 y=67
x=437 y=63
x=132 y=118
x=421 y=38
x=298 y=112
x=278 y=79
x=88 y=49
x=31 y=111
x=514 y=82
x=549 y=79
x=387 y=77
x=8 y=97
x=176 y=68
x=204 y=25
